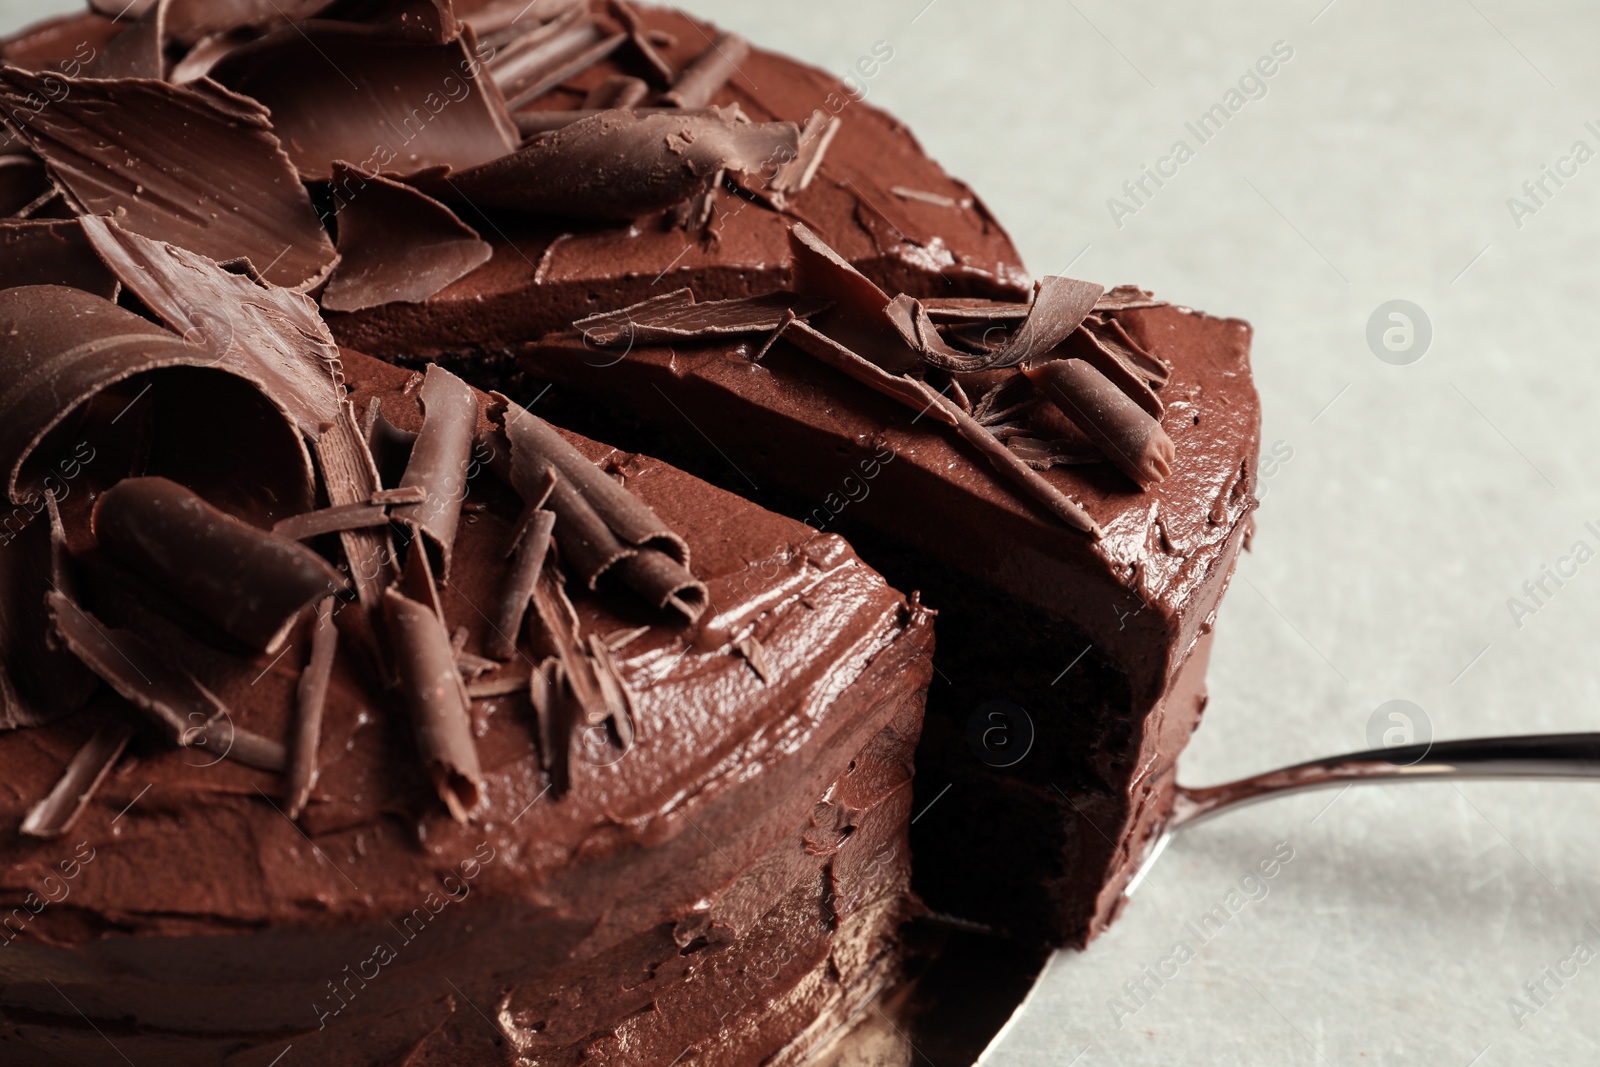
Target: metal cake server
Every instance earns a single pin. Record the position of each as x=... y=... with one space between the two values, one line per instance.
x=1567 y=757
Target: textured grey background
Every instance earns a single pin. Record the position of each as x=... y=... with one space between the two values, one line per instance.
x=1408 y=504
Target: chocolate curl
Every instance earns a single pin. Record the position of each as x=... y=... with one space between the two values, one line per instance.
x=195 y=165
x=675 y=316
x=709 y=72
x=911 y=319
x=1126 y=298
x=55 y=814
x=639 y=37
x=432 y=688
x=1059 y=307
x=618 y=90
x=815 y=137
x=136 y=52
x=396 y=245
x=249 y=583
x=185 y=712
x=51 y=252
x=1111 y=338
x=1127 y=434
x=399 y=107
x=905 y=390
x=538 y=61
x=440 y=461
x=618 y=165
x=535 y=445
x=276 y=339
x=311 y=697
x=1109 y=361
x=857 y=319
x=567 y=689
x=961 y=309
x=528 y=550
x=665 y=583
x=338 y=519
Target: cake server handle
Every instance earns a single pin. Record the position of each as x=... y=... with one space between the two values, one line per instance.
x=1567 y=757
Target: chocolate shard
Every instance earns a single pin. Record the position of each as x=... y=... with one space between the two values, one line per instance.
x=1043 y=455
x=619 y=165
x=815 y=137
x=1126 y=298
x=195 y=165
x=336 y=519
x=205 y=54
x=51 y=252
x=60 y=808
x=396 y=244
x=617 y=90
x=1109 y=336
x=910 y=319
x=249 y=583
x=639 y=38
x=820 y=346
x=705 y=76
x=675 y=316
x=535 y=445
x=433 y=21
x=665 y=583
x=1128 y=435
x=275 y=338
x=1107 y=357
x=440 y=461
x=311 y=697
x=496 y=687
x=411 y=494
x=438 y=702
x=857 y=319
x=527 y=563
x=168 y=696
x=755 y=654
x=537 y=61
x=973 y=309
x=136 y=52
x=387 y=105
x=190 y=20
x=235 y=743
x=1059 y=307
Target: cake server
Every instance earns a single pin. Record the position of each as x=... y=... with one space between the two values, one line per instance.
x=1562 y=757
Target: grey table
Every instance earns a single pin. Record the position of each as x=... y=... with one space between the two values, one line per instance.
x=1418 y=486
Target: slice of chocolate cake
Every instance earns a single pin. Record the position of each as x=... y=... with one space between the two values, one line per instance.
x=356 y=712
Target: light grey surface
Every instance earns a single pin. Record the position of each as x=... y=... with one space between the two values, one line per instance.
x=1417 y=501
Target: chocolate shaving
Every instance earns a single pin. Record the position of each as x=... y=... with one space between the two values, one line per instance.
x=206 y=53
x=527 y=73
x=1043 y=455
x=1127 y=298
x=396 y=245
x=414 y=20
x=337 y=519
x=391 y=106
x=195 y=165
x=411 y=494
x=496 y=687
x=249 y=583
x=617 y=90
x=618 y=165
x=936 y=199
x=440 y=461
x=664 y=583
x=1128 y=435
x=242 y=746
x=494 y=22
x=705 y=76
x=311 y=697
x=60 y=808
x=643 y=41
x=136 y=52
x=905 y=390
x=1059 y=306
x=815 y=137
x=1107 y=358
x=973 y=309
x=437 y=698
x=909 y=317
x=675 y=316
x=274 y=338
x=22 y=182
x=755 y=654
x=614 y=690
x=527 y=562
x=1109 y=336
x=51 y=252
x=535 y=445
x=190 y=20
x=857 y=319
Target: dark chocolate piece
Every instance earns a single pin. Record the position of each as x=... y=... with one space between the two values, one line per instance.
x=755 y=654
x=973 y=309
x=1128 y=435
x=523 y=74
x=676 y=316
x=394 y=107
x=709 y=72
x=1109 y=335
x=619 y=166
x=1059 y=307
x=440 y=461
x=336 y=519
x=664 y=583
x=432 y=689
x=911 y=320
x=51 y=252
x=229 y=741
x=528 y=553
x=206 y=53
x=136 y=52
x=497 y=687
x=618 y=90
x=1106 y=356
x=1043 y=455
x=639 y=36
x=55 y=814
x=857 y=320
x=195 y=165
x=190 y=20
x=250 y=583
x=907 y=391
x=311 y=697
x=396 y=244
x=410 y=494
x=1126 y=298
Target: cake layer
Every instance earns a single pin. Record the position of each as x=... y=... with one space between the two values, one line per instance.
x=1094 y=640
x=767 y=784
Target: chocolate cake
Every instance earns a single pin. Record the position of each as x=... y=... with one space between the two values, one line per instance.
x=307 y=651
